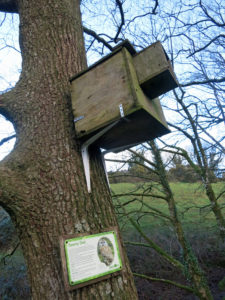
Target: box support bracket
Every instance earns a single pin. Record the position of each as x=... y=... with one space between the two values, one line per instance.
x=85 y=152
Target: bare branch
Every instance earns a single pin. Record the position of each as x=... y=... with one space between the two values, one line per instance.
x=3 y=20
x=11 y=252
x=185 y=154
x=153 y=12
x=208 y=44
x=212 y=80
x=155 y=7
x=134 y=162
x=184 y=287
x=139 y=195
x=119 y=4
x=220 y=194
x=12 y=47
x=220 y=145
x=154 y=246
x=97 y=37
x=5 y=140
x=210 y=17
x=143 y=157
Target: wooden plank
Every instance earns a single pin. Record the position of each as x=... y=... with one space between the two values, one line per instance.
x=154 y=71
x=152 y=106
x=125 y=44
x=150 y=62
x=136 y=128
x=96 y=95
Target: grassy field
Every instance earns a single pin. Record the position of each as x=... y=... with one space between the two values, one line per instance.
x=200 y=228
x=192 y=204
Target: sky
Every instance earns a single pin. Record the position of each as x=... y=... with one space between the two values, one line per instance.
x=10 y=60
x=10 y=65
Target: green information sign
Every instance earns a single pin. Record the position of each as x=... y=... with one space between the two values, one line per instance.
x=92 y=256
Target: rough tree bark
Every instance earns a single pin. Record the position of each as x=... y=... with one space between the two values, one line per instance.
x=42 y=183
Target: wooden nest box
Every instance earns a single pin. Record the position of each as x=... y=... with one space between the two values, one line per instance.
x=116 y=98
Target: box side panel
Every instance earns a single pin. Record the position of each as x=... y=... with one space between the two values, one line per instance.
x=150 y=62
x=136 y=128
x=152 y=106
x=97 y=94
x=133 y=80
x=160 y=84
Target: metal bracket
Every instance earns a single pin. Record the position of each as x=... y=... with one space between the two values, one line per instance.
x=85 y=153
x=121 y=110
x=78 y=119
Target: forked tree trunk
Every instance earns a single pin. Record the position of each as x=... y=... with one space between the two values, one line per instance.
x=42 y=183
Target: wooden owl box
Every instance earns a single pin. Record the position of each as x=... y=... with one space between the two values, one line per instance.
x=119 y=94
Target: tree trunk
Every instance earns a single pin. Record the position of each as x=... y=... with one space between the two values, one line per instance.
x=205 y=171
x=216 y=208
x=42 y=182
x=193 y=269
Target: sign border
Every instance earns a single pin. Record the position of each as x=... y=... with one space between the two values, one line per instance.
x=109 y=274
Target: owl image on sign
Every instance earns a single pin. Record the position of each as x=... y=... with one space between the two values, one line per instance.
x=105 y=251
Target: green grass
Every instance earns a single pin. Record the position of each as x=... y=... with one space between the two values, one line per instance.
x=192 y=204
x=199 y=226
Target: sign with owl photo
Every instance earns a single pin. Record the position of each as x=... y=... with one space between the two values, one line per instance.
x=91 y=258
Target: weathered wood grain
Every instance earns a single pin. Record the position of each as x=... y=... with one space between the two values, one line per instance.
x=97 y=94
x=154 y=71
x=130 y=80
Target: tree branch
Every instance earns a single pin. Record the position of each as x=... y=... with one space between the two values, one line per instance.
x=183 y=153
x=184 y=287
x=212 y=80
x=155 y=7
x=4 y=103
x=5 y=140
x=143 y=157
x=133 y=162
x=97 y=37
x=207 y=45
x=158 y=249
x=8 y=6
x=210 y=17
x=139 y=195
x=11 y=252
x=119 y=4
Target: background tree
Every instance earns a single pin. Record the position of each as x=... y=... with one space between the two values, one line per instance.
x=180 y=172
x=161 y=190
